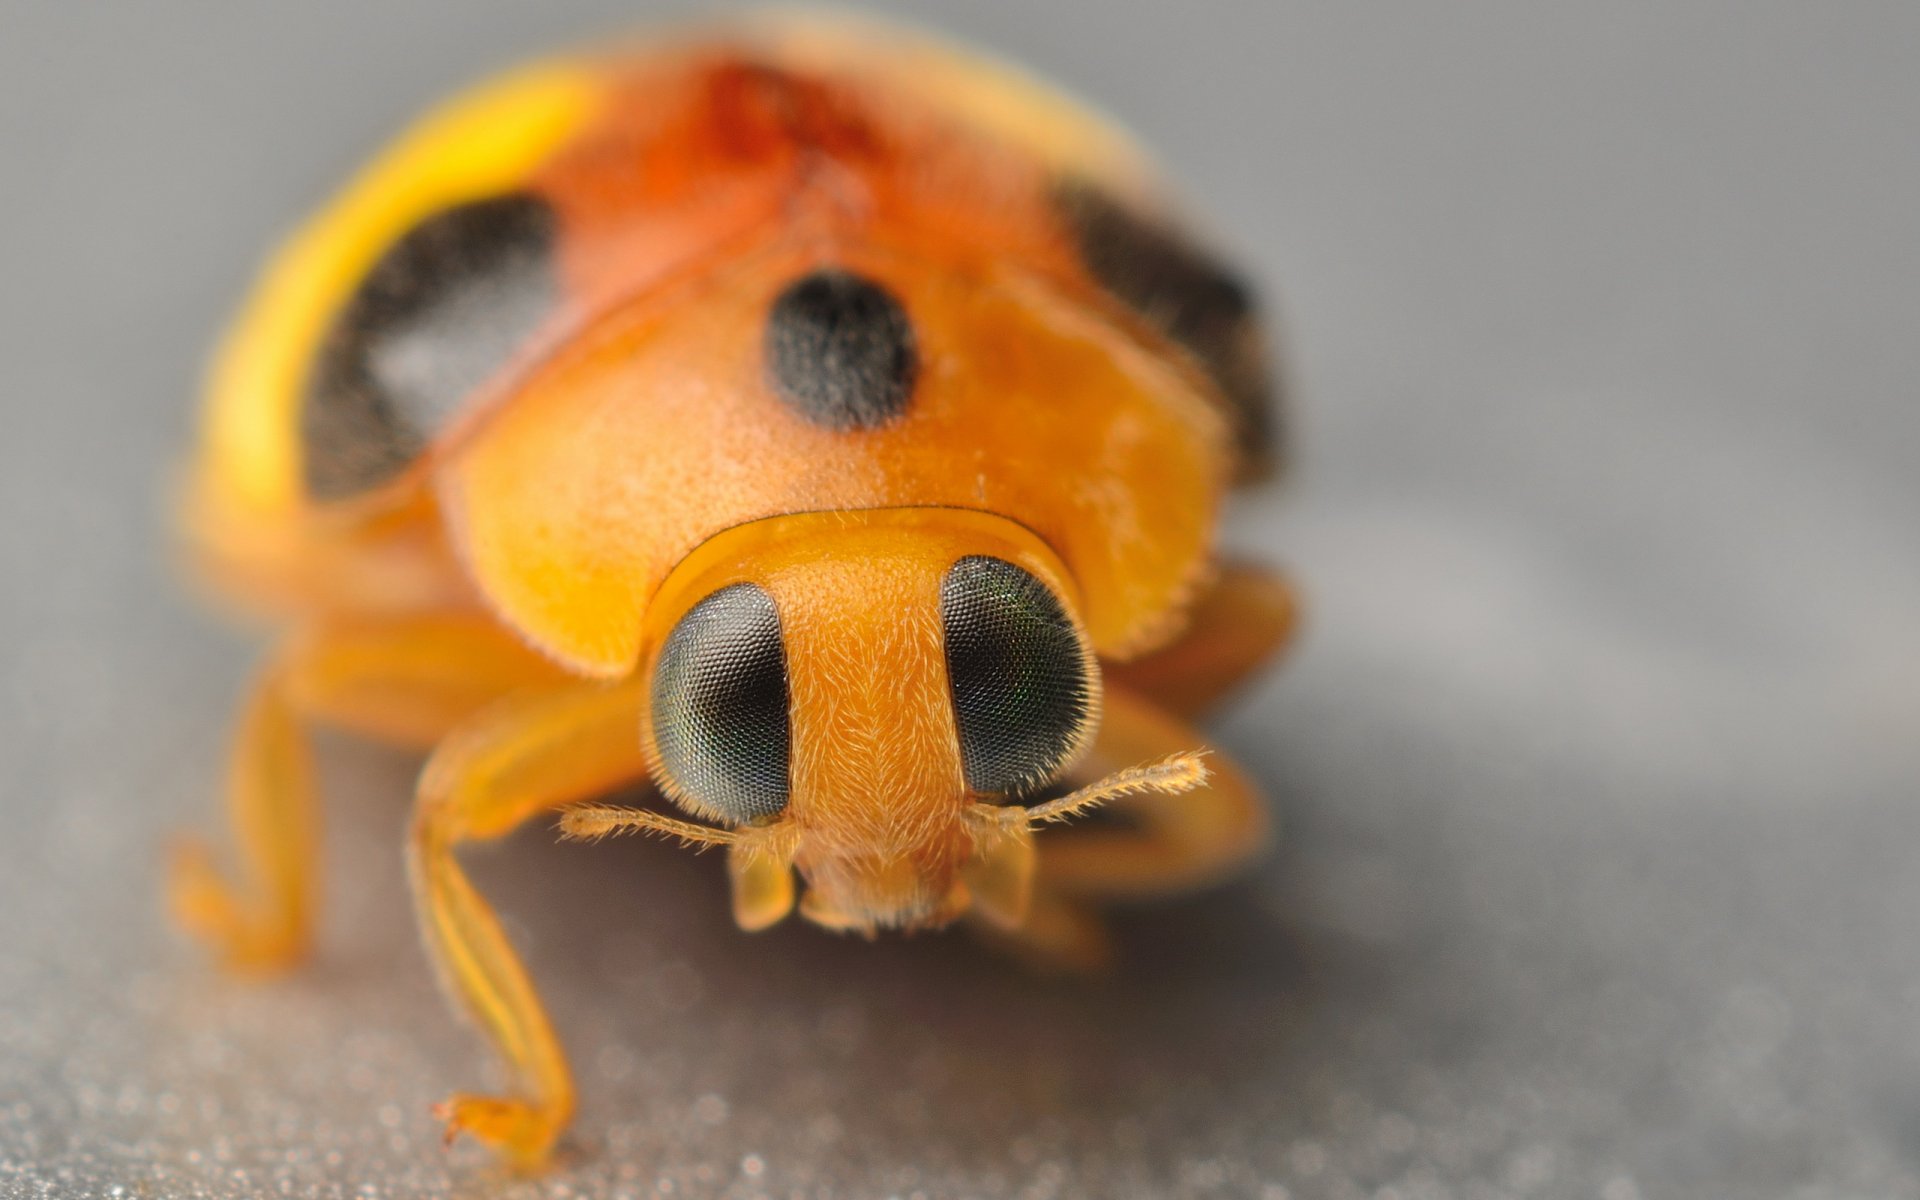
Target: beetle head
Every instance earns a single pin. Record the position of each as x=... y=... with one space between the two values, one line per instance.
x=864 y=698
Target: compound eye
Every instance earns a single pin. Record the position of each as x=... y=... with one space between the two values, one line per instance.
x=1021 y=676
x=720 y=707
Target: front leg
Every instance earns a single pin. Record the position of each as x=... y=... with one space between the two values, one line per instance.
x=1179 y=841
x=405 y=679
x=524 y=756
x=1190 y=828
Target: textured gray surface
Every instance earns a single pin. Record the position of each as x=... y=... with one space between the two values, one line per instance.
x=1598 y=764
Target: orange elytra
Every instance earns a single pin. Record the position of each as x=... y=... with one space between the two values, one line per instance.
x=826 y=427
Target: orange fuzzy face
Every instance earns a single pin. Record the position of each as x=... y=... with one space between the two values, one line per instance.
x=848 y=687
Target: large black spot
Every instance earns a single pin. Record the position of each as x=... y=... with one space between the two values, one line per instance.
x=840 y=350
x=720 y=706
x=442 y=310
x=1189 y=295
x=1020 y=675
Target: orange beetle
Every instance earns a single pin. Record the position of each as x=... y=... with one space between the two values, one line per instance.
x=824 y=427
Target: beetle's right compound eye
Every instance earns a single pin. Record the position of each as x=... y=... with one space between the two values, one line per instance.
x=720 y=706
x=1023 y=687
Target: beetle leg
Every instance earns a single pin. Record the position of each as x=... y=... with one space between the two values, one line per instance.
x=405 y=680
x=524 y=756
x=1176 y=841
x=1235 y=626
x=271 y=803
x=409 y=681
x=1179 y=837
x=1179 y=841
x=1059 y=936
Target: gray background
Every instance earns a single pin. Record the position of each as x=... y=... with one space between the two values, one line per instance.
x=1598 y=763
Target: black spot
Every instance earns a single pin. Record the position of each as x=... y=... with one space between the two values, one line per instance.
x=720 y=706
x=840 y=350
x=1019 y=673
x=1189 y=295
x=442 y=310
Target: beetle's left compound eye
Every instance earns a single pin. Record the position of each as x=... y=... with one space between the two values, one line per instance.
x=720 y=706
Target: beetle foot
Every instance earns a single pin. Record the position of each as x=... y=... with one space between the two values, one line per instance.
x=1058 y=938
x=210 y=909
x=522 y=1133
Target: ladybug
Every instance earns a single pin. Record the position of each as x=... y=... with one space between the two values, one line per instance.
x=820 y=427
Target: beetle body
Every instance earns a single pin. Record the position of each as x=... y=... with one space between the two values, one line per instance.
x=825 y=427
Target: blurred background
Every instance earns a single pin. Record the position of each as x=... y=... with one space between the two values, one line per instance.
x=1597 y=765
